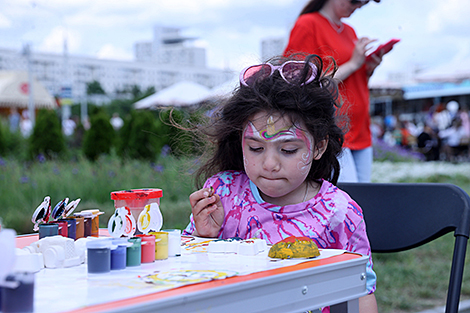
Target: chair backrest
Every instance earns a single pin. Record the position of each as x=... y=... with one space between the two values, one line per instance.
x=402 y=216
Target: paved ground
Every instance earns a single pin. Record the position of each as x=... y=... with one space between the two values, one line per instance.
x=386 y=172
x=463 y=308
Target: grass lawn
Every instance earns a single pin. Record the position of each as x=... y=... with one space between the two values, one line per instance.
x=408 y=281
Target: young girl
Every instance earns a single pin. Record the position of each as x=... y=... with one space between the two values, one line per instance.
x=274 y=166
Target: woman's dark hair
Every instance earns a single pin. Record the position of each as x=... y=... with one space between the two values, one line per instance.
x=312 y=105
x=313 y=6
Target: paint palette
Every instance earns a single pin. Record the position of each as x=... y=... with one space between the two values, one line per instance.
x=150 y=219
x=122 y=223
x=238 y=246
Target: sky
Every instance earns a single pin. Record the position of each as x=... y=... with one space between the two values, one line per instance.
x=435 y=36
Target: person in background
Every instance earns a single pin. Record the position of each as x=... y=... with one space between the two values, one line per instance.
x=14 y=120
x=26 y=125
x=116 y=121
x=274 y=166
x=320 y=30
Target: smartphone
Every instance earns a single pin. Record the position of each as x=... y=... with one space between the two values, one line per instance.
x=383 y=48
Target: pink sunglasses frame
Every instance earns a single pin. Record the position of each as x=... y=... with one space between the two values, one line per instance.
x=280 y=69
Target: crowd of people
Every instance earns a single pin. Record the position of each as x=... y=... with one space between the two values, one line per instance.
x=440 y=134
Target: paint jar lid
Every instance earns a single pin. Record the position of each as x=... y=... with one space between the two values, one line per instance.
x=71 y=207
x=120 y=242
x=99 y=244
x=132 y=194
x=59 y=209
x=42 y=213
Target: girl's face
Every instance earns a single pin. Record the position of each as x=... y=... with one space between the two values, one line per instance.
x=278 y=157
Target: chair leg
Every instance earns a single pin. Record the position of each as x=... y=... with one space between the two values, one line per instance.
x=456 y=274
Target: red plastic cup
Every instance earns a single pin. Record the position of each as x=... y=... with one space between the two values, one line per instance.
x=136 y=199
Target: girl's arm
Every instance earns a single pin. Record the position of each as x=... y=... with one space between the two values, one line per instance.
x=368 y=304
x=208 y=212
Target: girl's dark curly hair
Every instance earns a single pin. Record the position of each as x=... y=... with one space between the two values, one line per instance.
x=312 y=105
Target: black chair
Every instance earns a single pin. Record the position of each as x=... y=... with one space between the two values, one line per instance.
x=402 y=216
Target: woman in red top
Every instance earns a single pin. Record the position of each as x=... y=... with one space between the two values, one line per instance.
x=320 y=30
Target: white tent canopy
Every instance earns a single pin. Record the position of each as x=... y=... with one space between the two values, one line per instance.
x=224 y=90
x=181 y=94
x=14 y=91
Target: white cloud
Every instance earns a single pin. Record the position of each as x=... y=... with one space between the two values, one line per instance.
x=54 y=41
x=109 y=51
x=5 y=22
x=450 y=15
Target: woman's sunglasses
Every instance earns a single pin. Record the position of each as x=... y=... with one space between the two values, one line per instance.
x=290 y=71
x=361 y=2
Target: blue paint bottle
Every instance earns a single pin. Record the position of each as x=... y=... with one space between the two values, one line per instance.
x=118 y=254
x=99 y=256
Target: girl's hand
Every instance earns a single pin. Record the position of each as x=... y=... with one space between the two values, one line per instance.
x=208 y=212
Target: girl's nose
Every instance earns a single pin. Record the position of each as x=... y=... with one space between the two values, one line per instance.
x=271 y=162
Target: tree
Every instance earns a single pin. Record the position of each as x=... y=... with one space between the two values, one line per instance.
x=47 y=137
x=99 y=138
x=94 y=88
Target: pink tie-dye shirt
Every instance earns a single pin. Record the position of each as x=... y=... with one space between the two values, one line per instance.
x=331 y=218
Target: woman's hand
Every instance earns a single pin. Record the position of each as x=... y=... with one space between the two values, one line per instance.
x=208 y=212
x=360 y=50
x=372 y=63
x=357 y=59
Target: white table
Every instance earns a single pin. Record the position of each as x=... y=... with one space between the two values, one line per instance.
x=269 y=286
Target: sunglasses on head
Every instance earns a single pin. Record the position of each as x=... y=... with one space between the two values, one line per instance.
x=290 y=71
x=361 y=2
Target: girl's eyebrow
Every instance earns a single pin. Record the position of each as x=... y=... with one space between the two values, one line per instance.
x=288 y=139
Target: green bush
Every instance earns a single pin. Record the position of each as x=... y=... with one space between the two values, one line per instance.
x=141 y=136
x=47 y=138
x=99 y=138
x=2 y=140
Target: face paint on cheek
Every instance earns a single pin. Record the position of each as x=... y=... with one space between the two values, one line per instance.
x=303 y=165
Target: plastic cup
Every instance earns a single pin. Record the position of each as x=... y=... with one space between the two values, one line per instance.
x=136 y=199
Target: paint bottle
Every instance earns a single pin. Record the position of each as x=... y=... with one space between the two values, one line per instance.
x=87 y=226
x=63 y=228
x=133 y=252
x=71 y=227
x=49 y=229
x=19 y=298
x=118 y=254
x=147 y=248
x=79 y=227
x=161 y=245
x=99 y=256
x=174 y=241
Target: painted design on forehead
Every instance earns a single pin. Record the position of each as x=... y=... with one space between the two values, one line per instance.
x=269 y=134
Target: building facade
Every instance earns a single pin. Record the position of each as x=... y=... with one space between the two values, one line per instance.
x=166 y=60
